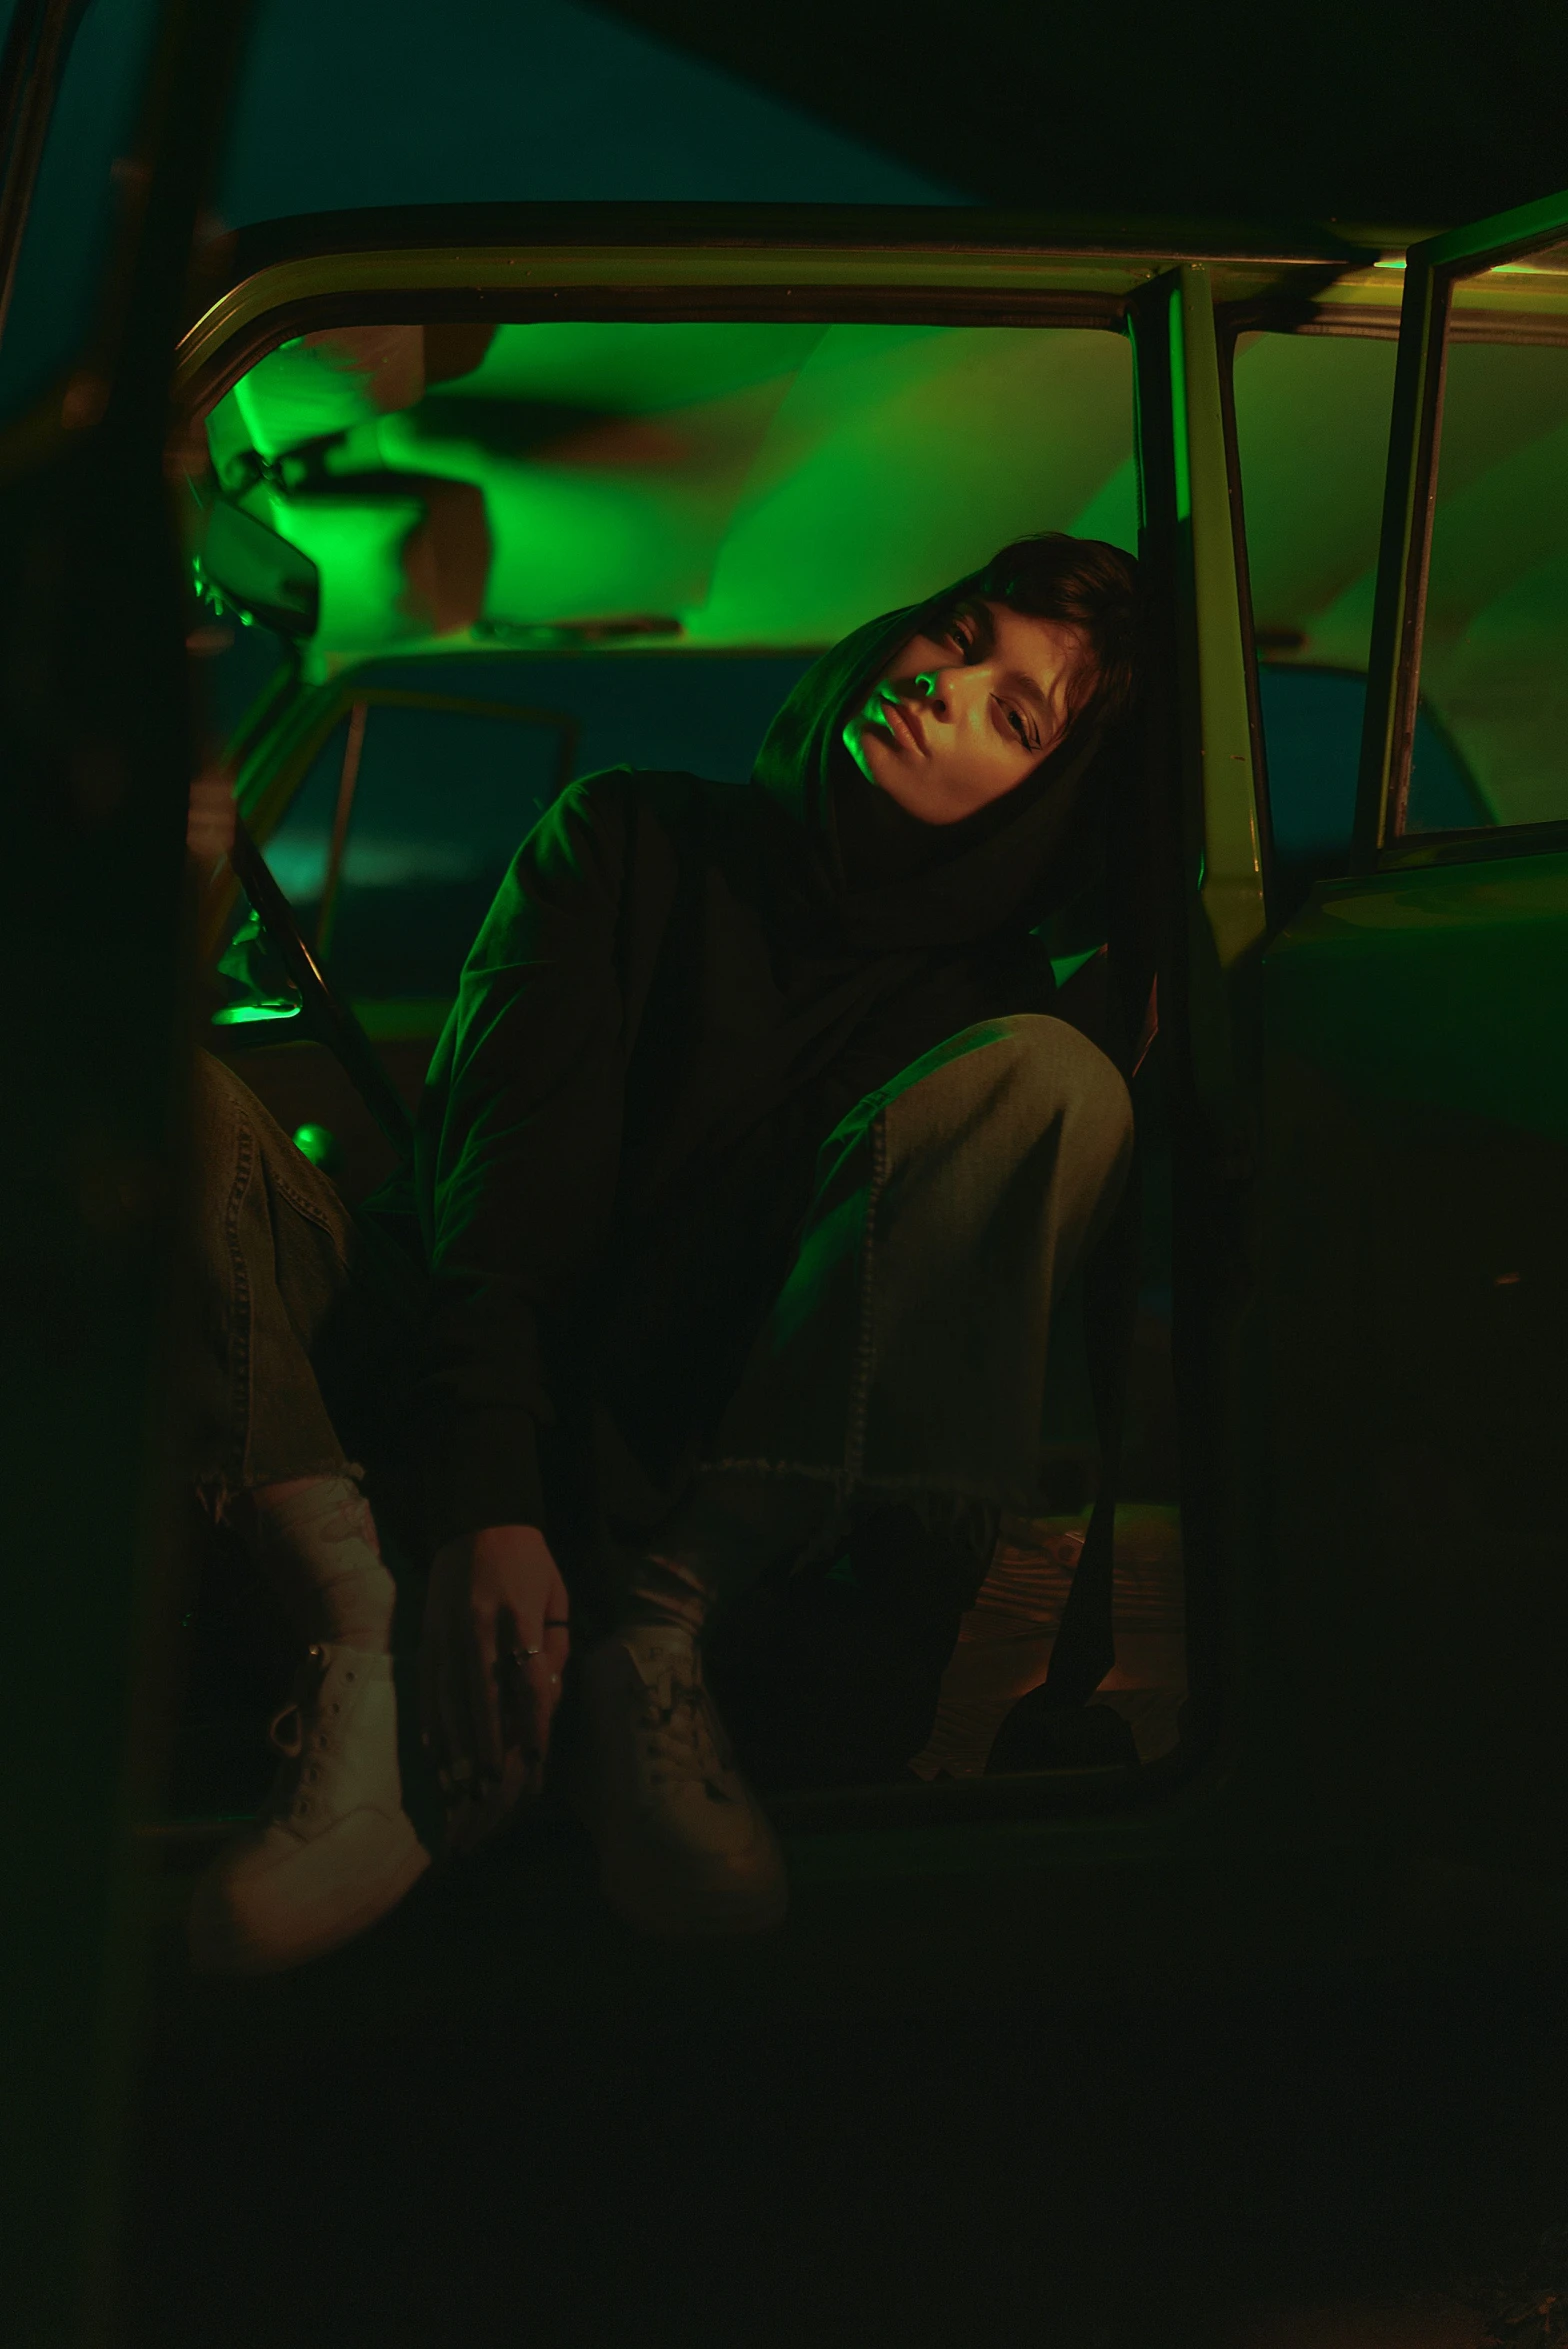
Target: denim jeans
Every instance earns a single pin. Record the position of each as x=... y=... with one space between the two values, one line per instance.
x=906 y=1351
x=306 y=1321
x=904 y=1356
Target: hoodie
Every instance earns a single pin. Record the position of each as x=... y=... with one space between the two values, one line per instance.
x=681 y=988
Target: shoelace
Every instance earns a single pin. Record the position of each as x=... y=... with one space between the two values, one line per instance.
x=290 y=1744
x=677 y=1733
x=286 y=1735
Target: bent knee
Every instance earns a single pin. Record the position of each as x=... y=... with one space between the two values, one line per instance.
x=1021 y=1075
x=1064 y=1071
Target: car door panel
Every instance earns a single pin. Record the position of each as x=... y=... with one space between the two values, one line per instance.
x=95 y=740
x=1414 y=1253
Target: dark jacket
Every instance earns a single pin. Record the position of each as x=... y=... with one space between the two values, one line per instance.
x=681 y=987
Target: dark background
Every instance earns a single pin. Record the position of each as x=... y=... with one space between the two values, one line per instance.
x=1400 y=111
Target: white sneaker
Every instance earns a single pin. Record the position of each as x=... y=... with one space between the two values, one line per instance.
x=333 y=1849
x=684 y=1845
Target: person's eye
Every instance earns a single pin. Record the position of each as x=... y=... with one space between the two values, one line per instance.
x=959 y=635
x=1020 y=725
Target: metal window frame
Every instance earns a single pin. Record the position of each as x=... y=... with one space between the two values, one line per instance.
x=1432 y=271
x=1191 y=546
x=913 y=264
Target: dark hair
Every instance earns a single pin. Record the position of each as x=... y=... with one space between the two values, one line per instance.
x=1084 y=583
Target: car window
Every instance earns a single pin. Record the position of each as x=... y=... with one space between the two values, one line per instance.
x=1494 y=653
x=1312 y=438
x=431 y=805
x=382 y=102
x=1312 y=740
x=71 y=220
x=433 y=798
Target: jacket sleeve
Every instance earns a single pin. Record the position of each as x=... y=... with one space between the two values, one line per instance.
x=517 y=1154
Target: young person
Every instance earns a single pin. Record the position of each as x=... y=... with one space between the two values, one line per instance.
x=749 y=1166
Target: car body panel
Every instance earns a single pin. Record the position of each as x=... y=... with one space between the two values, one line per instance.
x=1415 y=1273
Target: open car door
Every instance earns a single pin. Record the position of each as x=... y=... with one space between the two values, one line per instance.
x=95 y=762
x=1414 y=1255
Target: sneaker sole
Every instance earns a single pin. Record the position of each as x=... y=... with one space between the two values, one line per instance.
x=219 y=1944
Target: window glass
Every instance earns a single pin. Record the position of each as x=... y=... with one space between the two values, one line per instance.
x=1312 y=738
x=440 y=800
x=74 y=205
x=1494 y=662
x=442 y=797
x=378 y=102
x=1312 y=417
x=703 y=714
x=1312 y=436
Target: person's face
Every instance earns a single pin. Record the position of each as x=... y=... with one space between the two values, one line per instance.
x=961 y=719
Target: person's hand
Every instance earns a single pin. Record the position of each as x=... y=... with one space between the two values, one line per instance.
x=494 y=1649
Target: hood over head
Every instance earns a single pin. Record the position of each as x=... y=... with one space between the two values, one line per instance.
x=904 y=884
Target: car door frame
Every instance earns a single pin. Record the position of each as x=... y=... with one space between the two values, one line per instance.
x=97 y=742
x=1332 y=1622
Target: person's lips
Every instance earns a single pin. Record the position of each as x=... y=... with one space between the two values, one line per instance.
x=904 y=726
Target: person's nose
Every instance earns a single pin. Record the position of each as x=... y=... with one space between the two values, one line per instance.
x=935 y=688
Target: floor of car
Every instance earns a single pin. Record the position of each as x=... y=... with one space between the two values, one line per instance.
x=1005 y=1643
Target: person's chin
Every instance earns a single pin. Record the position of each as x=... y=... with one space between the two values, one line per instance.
x=885 y=759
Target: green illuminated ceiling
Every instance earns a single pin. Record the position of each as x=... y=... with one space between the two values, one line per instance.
x=762 y=485
x=772 y=485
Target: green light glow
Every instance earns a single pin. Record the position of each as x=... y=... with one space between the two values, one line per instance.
x=244 y=1015
x=764 y=485
x=319 y=1144
x=265 y=991
x=1183 y=465
x=1063 y=966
